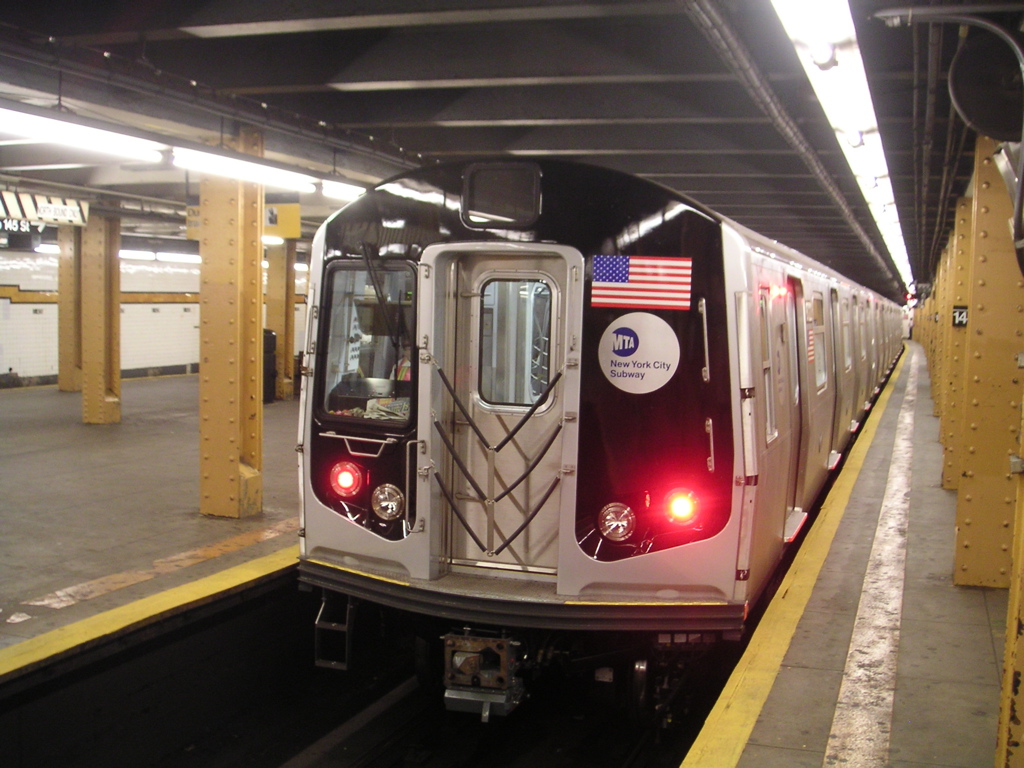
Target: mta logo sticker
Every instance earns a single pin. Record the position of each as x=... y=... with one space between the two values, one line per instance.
x=624 y=342
x=639 y=353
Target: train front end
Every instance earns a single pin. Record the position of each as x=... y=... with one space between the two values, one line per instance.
x=517 y=421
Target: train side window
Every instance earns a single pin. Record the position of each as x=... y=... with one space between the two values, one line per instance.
x=515 y=341
x=771 y=426
x=818 y=333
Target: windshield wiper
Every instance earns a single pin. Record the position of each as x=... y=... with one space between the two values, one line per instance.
x=379 y=293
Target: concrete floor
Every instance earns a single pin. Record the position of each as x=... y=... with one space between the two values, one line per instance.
x=96 y=516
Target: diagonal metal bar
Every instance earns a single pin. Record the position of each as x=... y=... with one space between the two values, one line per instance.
x=458 y=460
x=455 y=509
x=532 y=466
x=462 y=408
x=533 y=409
x=527 y=521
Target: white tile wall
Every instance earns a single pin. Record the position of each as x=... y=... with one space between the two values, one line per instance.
x=152 y=335
x=156 y=277
x=28 y=338
x=29 y=271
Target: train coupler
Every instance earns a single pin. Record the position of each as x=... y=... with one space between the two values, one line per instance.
x=482 y=674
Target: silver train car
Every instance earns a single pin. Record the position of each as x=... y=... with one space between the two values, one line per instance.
x=552 y=412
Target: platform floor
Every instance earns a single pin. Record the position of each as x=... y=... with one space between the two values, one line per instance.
x=915 y=660
x=94 y=517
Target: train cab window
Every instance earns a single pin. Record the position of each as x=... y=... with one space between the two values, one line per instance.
x=515 y=341
x=819 y=349
x=369 y=356
x=768 y=381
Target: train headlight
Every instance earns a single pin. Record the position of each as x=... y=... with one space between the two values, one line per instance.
x=616 y=521
x=681 y=506
x=346 y=479
x=387 y=502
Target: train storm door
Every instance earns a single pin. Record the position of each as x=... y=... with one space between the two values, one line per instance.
x=499 y=369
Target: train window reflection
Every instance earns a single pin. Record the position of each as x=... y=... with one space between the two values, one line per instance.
x=368 y=364
x=515 y=341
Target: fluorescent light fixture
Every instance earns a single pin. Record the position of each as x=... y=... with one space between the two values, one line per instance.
x=68 y=134
x=179 y=258
x=301 y=266
x=48 y=248
x=265 y=264
x=825 y=39
x=338 y=190
x=272 y=240
x=243 y=170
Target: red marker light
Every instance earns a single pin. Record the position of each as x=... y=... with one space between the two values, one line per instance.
x=346 y=479
x=681 y=506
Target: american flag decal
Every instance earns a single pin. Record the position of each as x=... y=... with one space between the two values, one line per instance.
x=641 y=282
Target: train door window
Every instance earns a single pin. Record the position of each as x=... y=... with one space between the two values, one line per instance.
x=368 y=360
x=847 y=338
x=768 y=384
x=794 y=346
x=515 y=341
x=818 y=335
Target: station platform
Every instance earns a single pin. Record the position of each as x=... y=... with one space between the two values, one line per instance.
x=869 y=655
x=101 y=530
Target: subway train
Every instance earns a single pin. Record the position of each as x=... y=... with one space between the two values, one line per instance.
x=554 y=414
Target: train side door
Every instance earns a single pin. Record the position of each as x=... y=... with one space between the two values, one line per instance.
x=500 y=370
x=795 y=515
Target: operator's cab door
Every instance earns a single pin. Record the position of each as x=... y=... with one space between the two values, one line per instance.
x=499 y=392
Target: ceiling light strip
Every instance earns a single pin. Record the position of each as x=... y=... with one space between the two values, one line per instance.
x=825 y=40
x=707 y=16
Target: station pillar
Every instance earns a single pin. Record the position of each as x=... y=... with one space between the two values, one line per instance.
x=958 y=290
x=280 y=300
x=100 y=303
x=231 y=343
x=69 y=310
x=987 y=489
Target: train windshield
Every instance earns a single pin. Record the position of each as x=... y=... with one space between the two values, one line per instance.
x=369 y=359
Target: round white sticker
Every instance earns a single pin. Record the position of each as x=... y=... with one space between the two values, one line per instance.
x=639 y=352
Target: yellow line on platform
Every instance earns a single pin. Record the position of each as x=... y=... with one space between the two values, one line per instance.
x=20 y=658
x=725 y=733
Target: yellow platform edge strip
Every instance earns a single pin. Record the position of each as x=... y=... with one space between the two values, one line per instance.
x=723 y=738
x=27 y=654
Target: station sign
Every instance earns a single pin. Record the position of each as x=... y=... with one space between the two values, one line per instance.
x=23 y=209
x=281 y=217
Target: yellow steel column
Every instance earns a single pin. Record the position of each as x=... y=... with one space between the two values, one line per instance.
x=101 y=321
x=959 y=287
x=941 y=316
x=995 y=334
x=1010 y=734
x=69 y=312
x=231 y=344
x=280 y=300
